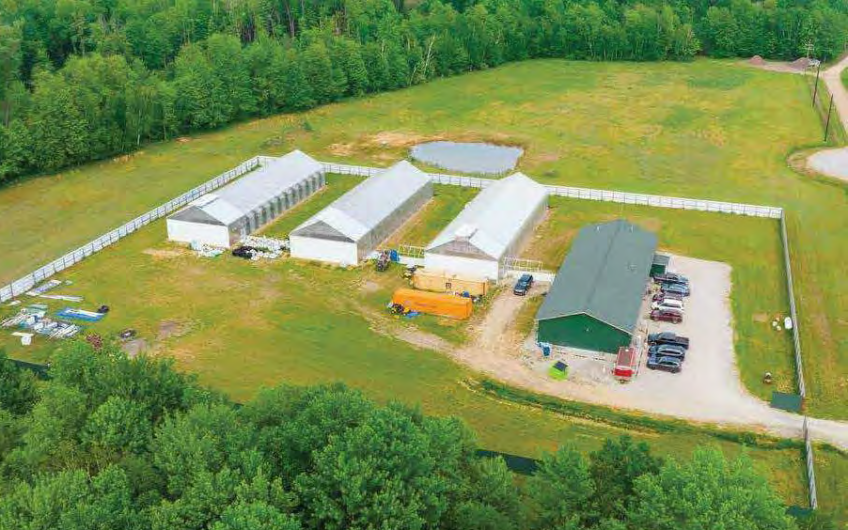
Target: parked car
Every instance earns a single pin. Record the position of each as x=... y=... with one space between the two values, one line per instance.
x=668 y=303
x=666 y=364
x=671 y=277
x=245 y=252
x=675 y=288
x=667 y=315
x=523 y=285
x=667 y=350
x=660 y=296
x=668 y=337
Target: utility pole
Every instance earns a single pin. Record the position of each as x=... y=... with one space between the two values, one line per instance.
x=816 y=89
x=827 y=123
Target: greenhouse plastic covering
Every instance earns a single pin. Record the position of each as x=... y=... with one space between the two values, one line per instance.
x=248 y=193
x=494 y=219
x=362 y=209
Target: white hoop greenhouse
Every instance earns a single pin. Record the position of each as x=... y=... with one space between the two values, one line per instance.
x=222 y=218
x=492 y=227
x=352 y=227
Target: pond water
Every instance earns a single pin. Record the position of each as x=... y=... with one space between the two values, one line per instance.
x=479 y=158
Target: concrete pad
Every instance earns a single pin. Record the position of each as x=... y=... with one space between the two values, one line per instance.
x=831 y=162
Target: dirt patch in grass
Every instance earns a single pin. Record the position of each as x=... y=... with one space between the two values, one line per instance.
x=134 y=347
x=784 y=67
x=401 y=139
x=171 y=328
x=162 y=253
x=127 y=157
x=347 y=149
x=369 y=287
x=760 y=317
x=546 y=157
x=385 y=326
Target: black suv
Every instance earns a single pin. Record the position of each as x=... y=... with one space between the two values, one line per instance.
x=667 y=337
x=666 y=350
x=666 y=364
x=523 y=285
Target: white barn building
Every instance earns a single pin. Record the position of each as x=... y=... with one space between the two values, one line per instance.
x=492 y=227
x=349 y=229
x=226 y=215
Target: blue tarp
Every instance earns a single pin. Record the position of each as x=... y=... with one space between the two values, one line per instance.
x=70 y=313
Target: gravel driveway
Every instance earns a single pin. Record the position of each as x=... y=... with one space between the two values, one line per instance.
x=708 y=389
x=834 y=162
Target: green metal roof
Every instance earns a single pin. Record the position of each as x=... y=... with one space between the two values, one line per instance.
x=604 y=275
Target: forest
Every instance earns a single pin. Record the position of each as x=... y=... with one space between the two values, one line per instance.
x=112 y=443
x=84 y=80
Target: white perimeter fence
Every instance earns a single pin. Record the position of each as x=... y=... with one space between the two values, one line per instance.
x=641 y=199
x=26 y=283
x=29 y=281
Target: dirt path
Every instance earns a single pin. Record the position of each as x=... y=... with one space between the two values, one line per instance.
x=834 y=162
x=721 y=399
x=833 y=80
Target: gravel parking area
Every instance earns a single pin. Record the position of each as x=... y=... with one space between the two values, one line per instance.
x=707 y=390
x=710 y=378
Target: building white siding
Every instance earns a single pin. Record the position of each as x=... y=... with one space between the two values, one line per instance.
x=463 y=266
x=311 y=248
x=187 y=232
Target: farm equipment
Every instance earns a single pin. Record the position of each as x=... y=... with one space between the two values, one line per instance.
x=383 y=261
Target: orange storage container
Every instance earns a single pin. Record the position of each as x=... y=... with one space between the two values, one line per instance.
x=443 y=305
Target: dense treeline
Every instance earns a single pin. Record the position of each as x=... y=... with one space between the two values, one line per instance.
x=111 y=443
x=87 y=79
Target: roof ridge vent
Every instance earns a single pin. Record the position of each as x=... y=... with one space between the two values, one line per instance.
x=465 y=232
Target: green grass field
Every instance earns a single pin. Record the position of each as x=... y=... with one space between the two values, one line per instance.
x=446 y=204
x=243 y=325
x=337 y=185
x=701 y=130
x=708 y=129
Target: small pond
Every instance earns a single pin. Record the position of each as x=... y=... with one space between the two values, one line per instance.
x=478 y=158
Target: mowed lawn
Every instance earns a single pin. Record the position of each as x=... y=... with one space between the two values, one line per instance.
x=708 y=129
x=241 y=325
x=758 y=293
x=337 y=185
x=446 y=204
